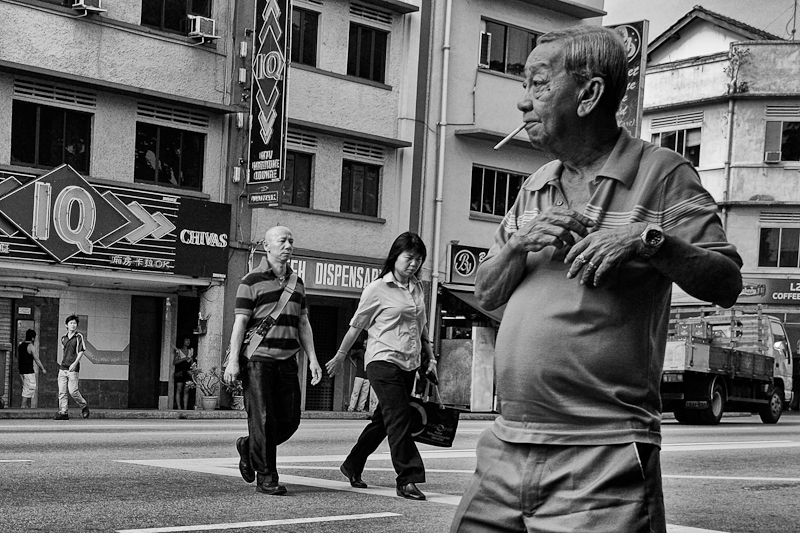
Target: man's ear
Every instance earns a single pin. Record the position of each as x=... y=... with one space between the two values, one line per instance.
x=589 y=97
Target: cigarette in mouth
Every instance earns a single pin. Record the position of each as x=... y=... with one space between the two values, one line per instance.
x=510 y=136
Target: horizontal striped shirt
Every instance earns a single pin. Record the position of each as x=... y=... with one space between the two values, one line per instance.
x=256 y=297
x=578 y=365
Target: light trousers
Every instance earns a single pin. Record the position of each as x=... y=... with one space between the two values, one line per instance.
x=68 y=382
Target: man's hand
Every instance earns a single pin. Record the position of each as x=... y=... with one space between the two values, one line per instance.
x=44 y=371
x=334 y=365
x=316 y=371
x=232 y=370
x=72 y=367
x=555 y=226
x=602 y=252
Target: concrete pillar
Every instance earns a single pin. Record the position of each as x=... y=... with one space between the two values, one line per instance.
x=211 y=346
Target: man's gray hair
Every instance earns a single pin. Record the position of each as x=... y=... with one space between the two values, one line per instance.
x=594 y=51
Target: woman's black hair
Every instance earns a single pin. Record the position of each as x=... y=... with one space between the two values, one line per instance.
x=405 y=242
x=30 y=335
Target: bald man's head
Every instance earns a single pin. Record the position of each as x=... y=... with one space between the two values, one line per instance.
x=279 y=244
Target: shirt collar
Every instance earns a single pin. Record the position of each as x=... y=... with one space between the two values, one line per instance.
x=264 y=267
x=618 y=165
x=389 y=278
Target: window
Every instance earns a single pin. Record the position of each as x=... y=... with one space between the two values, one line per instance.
x=685 y=142
x=366 y=53
x=168 y=156
x=493 y=191
x=779 y=247
x=297 y=182
x=360 y=188
x=45 y=136
x=783 y=137
x=170 y=15
x=507 y=48
x=304 y=36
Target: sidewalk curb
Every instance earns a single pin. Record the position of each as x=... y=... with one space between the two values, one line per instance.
x=219 y=414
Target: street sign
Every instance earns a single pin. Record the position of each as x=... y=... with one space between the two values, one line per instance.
x=267 y=158
x=629 y=115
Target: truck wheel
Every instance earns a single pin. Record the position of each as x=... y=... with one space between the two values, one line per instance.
x=771 y=413
x=712 y=414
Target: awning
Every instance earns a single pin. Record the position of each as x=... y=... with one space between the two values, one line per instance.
x=466 y=294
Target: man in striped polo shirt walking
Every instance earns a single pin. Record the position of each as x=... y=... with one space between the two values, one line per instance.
x=270 y=376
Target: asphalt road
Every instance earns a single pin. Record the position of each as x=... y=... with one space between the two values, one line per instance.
x=180 y=475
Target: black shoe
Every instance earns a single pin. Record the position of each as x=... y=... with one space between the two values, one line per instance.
x=247 y=472
x=355 y=479
x=85 y=413
x=410 y=491
x=61 y=416
x=268 y=484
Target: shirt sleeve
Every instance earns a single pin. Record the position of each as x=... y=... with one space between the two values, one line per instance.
x=368 y=306
x=690 y=213
x=245 y=303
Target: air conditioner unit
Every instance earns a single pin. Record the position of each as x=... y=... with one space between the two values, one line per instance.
x=772 y=157
x=89 y=6
x=202 y=27
x=486 y=46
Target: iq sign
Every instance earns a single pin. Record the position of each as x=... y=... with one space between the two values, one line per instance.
x=62 y=213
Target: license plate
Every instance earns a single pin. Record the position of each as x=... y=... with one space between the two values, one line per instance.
x=696 y=404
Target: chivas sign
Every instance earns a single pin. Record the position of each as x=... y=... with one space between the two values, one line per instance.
x=268 y=102
x=65 y=217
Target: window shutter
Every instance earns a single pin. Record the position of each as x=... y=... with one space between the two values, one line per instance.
x=772 y=141
x=486 y=46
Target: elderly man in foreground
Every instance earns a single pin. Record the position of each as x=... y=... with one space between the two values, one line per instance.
x=585 y=261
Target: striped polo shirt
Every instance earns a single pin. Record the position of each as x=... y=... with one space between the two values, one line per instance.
x=578 y=365
x=257 y=295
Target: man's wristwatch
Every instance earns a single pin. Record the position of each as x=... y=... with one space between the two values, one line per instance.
x=652 y=239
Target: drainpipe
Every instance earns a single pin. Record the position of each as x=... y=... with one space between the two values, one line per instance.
x=729 y=155
x=442 y=132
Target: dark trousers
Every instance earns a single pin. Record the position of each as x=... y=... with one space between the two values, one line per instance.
x=392 y=418
x=272 y=401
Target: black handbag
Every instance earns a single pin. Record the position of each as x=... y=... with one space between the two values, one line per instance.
x=431 y=421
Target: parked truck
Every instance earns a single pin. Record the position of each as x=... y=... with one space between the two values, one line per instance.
x=726 y=360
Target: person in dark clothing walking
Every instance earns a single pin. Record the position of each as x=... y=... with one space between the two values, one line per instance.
x=28 y=355
x=74 y=347
x=269 y=377
x=392 y=310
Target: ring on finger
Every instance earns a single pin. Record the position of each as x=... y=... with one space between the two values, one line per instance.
x=591 y=265
x=581 y=259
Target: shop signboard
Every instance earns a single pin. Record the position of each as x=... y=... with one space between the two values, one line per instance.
x=634 y=35
x=770 y=291
x=267 y=158
x=331 y=274
x=60 y=217
x=464 y=261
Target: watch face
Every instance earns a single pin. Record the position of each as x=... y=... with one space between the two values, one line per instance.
x=653 y=237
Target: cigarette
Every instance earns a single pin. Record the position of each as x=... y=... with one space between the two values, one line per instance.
x=510 y=136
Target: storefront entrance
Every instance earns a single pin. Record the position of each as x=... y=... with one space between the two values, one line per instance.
x=145 y=352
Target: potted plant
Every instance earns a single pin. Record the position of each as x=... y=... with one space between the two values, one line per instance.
x=237 y=394
x=207 y=384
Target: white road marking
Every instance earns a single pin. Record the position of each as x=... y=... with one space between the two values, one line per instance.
x=738 y=478
x=747 y=445
x=432 y=470
x=263 y=523
x=16 y=460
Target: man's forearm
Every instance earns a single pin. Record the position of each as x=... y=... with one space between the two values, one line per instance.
x=498 y=276
x=307 y=340
x=705 y=274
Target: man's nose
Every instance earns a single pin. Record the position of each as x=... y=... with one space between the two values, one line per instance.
x=524 y=104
